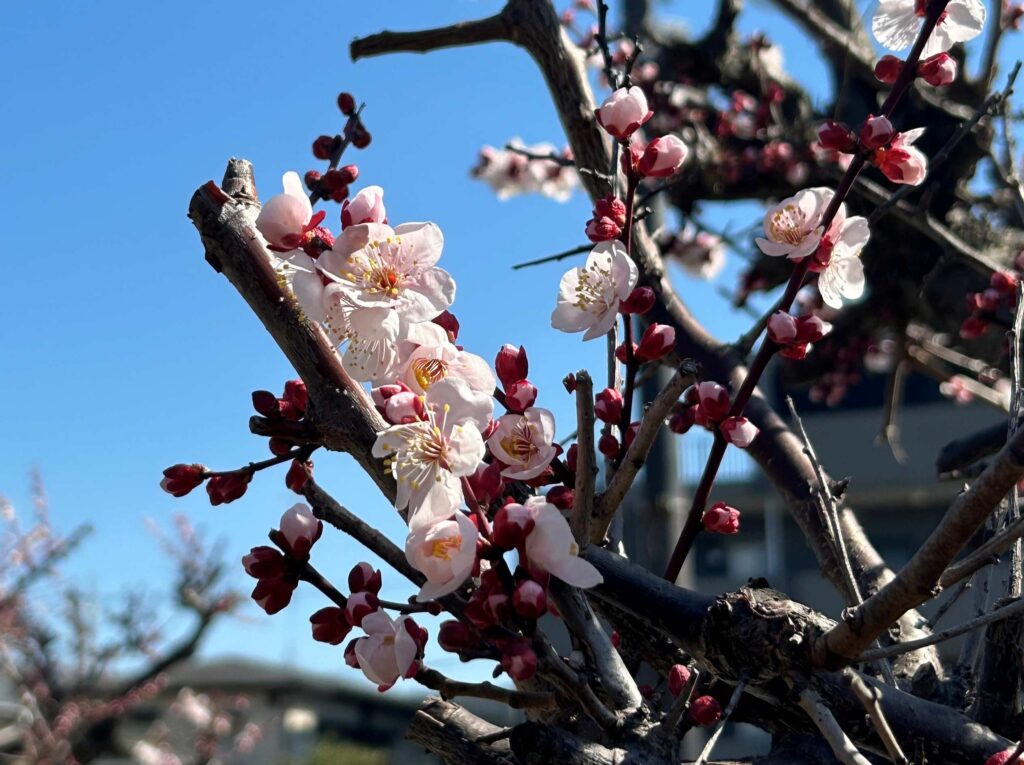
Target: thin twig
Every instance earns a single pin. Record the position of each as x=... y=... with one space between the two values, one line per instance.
x=868 y=697
x=586 y=459
x=450 y=689
x=556 y=257
x=844 y=749
x=710 y=745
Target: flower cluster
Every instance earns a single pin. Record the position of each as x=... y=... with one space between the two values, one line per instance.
x=983 y=307
x=521 y=169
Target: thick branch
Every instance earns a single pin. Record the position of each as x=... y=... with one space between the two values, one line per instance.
x=449 y=689
x=485 y=30
x=455 y=735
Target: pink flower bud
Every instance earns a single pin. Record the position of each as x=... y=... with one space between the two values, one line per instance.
x=297 y=475
x=640 y=301
x=738 y=431
x=657 y=341
x=447 y=321
x=512 y=524
x=623 y=112
x=295 y=394
x=365 y=207
x=519 y=661
x=811 y=328
x=300 y=530
x=608 y=406
x=360 y=605
x=678 y=679
x=180 y=479
x=330 y=625
x=620 y=352
x=663 y=157
x=611 y=207
x=227 y=487
x=602 y=230
x=265 y=403
x=876 y=132
x=608 y=445
x=938 y=70
x=834 y=136
x=1001 y=758
x=781 y=328
x=455 y=636
x=796 y=351
x=274 y=594
x=511 y=364
x=705 y=710
x=364 y=578
x=264 y=562
x=901 y=162
x=721 y=519
x=520 y=395
x=529 y=600
x=1003 y=281
x=888 y=69
x=404 y=407
x=714 y=400
x=561 y=497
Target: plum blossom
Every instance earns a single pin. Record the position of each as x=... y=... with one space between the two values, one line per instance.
x=365 y=207
x=739 y=431
x=793 y=227
x=389 y=650
x=372 y=334
x=901 y=161
x=838 y=258
x=623 y=112
x=381 y=267
x=429 y=357
x=589 y=296
x=286 y=218
x=444 y=552
x=510 y=173
x=427 y=458
x=896 y=24
x=552 y=548
x=524 y=443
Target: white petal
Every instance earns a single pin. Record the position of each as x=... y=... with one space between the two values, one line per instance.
x=424 y=242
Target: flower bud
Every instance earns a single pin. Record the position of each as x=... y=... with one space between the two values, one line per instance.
x=561 y=497
x=265 y=403
x=455 y=636
x=297 y=475
x=519 y=660
x=350 y=653
x=274 y=594
x=781 y=328
x=1002 y=758
x=227 y=487
x=834 y=136
x=529 y=600
x=738 y=431
x=1003 y=281
x=608 y=406
x=705 y=710
x=264 y=562
x=569 y=383
x=888 y=69
x=511 y=365
x=620 y=352
x=639 y=301
x=365 y=207
x=714 y=400
x=487 y=482
x=608 y=445
x=721 y=519
x=180 y=479
x=973 y=328
x=623 y=112
x=657 y=341
x=446 y=320
x=404 y=407
x=938 y=70
x=348 y=173
x=682 y=420
x=300 y=530
x=571 y=455
x=323 y=147
x=611 y=207
x=312 y=179
x=279 y=446
x=512 y=524
x=520 y=395
x=663 y=157
x=811 y=328
x=330 y=625
x=364 y=578
x=498 y=606
x=876 y=132
x=796 y=351
x=602 y=230
x=631 y=431
x=295 y=394
x=346 y=103
x=361 y=137
x=360 y=605
x=678 y=679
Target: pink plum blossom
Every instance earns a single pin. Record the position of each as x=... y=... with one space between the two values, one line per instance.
x=623 y=112
x=389 y=650
x=551 y=547
x=286 y=218
x=896 y=24
x=444 y=552
x=901 y=161
x=434 y=359
x=589 y=296
x=739 y=431
x=427 y=458
x=524 y=443
x=300 y=529
x=793 y=228
x=365 y=207
x=663 y=157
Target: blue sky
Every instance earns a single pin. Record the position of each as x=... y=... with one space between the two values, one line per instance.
x=123 y=351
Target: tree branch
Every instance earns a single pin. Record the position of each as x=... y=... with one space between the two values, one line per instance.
x=586 y=459
x=449 y=689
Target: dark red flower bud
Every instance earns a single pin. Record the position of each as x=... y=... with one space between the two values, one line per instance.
x=274 y=594
x=836 y=137
x=1003 y=281
x=519 y=660
x=569 y=383
x=511 y=364
x=938 y=70
x=487 y=482
x=888 y=69
x=323 y=147
x=616 y=639
x=297 y=475
x=639 y=301
x=264 y=562
x=346 y=103
x=705 y=710
x=678 y=678
x=360 y=605
x=361 y=137
x=498 y=606
x=973 y=328
x=348 y=174
x=631 y=431
x=265 y=403
x=529 y=600
x=227 y=487
x=455 y=636
x=876 y=132
x=350 y=653
x=608 y=406
x=449 y=324
x=561 y=497
x=339 y=194
x=602 y=230
x=364 y=578
x=512 y=524
x=657 y=341
x=279 y=446
x=608 y=445
x=571 y=455
x=682 y=420
x=312 y=179
x=333 y=179
x=295 y=394
x=180 y=479
x=520 y=395
x=620 y=352
x=330 y=625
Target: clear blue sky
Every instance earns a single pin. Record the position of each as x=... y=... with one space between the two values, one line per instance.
x=123 y=352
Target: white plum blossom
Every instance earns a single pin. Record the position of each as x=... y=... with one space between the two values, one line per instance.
x=509 y=172
x=524 y=443
x=388 y=652
x=792 y=228
x=372 y=334
x=896 y=24
x=428 y=458
x=427 y=357
x=589 y=296
x=444 y=552
x=286 y=218
x=842 y=273
x=392 y=268
x=551 y=547
x=623 y=112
